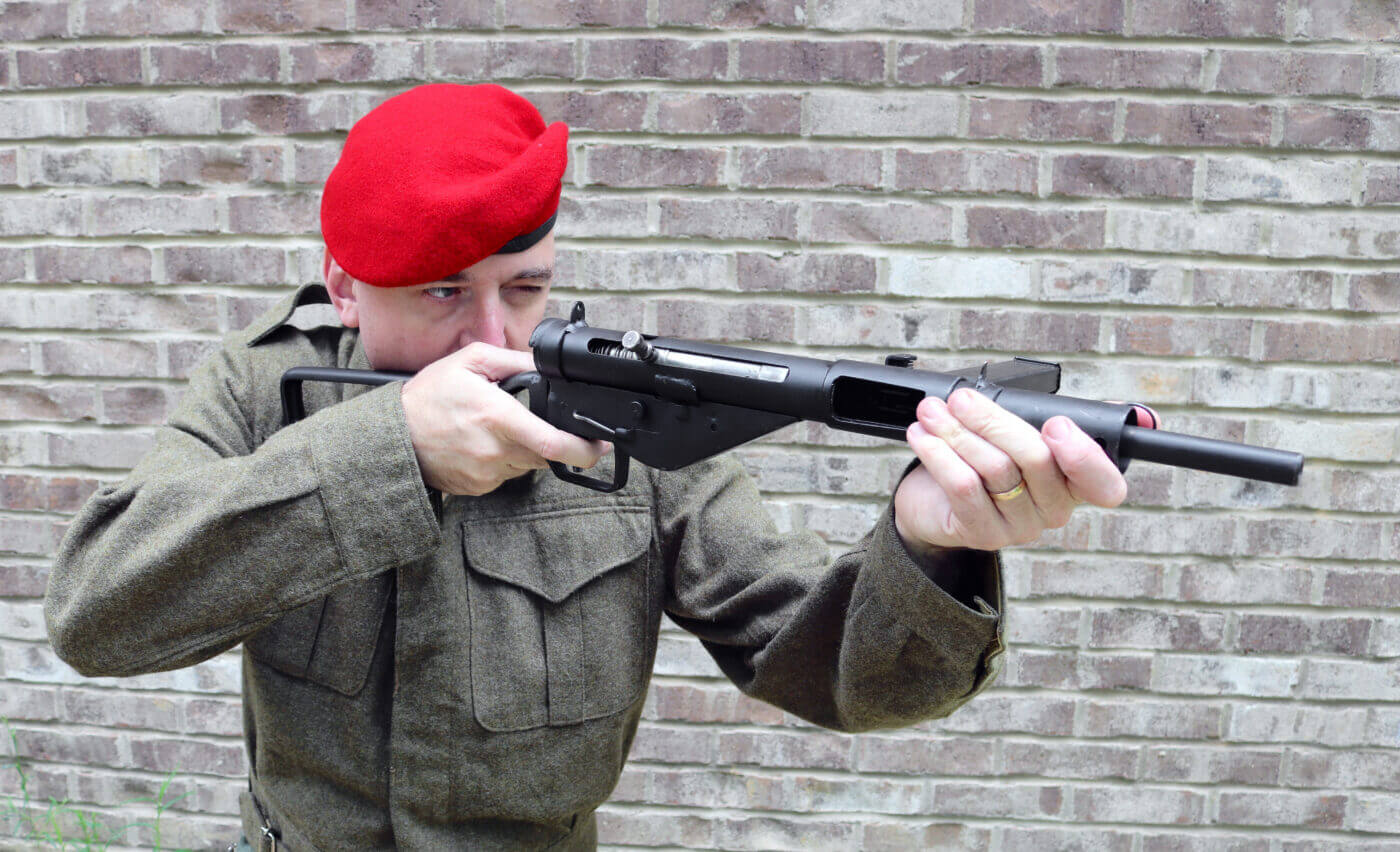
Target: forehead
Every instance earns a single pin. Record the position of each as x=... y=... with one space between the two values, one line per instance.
x=536 y=263
x=467 y=277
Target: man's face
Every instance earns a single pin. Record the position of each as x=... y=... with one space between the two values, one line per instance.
x=498 y=300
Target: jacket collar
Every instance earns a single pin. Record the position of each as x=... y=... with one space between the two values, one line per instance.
x=281 y=313
x=306 y=294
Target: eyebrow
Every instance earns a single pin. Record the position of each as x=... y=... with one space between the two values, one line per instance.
x=534 y=273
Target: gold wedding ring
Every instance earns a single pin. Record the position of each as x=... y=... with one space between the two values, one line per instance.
x=1011 y=494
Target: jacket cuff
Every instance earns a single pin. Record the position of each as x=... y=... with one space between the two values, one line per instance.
x=912 y=590
x=373 y=491
x=905 y=587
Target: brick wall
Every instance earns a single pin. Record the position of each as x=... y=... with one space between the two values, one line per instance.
x=1187 y=202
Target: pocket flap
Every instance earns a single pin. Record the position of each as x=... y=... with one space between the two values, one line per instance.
x=331 y=640
x=556 y=553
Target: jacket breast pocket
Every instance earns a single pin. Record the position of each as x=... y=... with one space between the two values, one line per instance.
x=331 y=640
x=562 y=617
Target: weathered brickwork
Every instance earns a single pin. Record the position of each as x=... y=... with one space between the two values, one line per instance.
x=1193 y=203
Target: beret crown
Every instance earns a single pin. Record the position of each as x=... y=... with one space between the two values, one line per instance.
x=437 y=178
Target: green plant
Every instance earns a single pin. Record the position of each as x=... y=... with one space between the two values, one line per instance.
x=44 y=825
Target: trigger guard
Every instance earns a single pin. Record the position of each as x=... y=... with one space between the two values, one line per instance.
x=619 y=479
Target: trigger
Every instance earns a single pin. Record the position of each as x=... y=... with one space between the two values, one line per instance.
x=621 y=433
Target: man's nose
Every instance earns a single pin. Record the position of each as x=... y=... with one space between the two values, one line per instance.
x=488 y=323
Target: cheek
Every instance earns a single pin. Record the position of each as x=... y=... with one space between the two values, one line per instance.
x=427 y=342
x=520 y=324
x=406 y=341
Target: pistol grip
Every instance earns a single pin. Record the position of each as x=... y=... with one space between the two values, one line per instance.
x=539 y=406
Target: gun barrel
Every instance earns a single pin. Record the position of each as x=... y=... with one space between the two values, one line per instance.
x=1208 y=454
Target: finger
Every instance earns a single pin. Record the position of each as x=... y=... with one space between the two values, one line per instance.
x=1002 y=478
x=998 y=471
x=1022 y=513
x=492 y=362
x=521 y=457
x=544 y=442
x=1022 y=443
x=1145 y=417
x=977 y=521
x=1091 y=476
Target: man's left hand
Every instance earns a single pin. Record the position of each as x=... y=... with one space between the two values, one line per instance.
x=988 y=479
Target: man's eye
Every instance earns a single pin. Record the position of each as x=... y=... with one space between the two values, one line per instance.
x=442 y=292
x=524 y=292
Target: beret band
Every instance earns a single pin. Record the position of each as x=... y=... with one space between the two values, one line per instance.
x=439 y=177
x=524 y=241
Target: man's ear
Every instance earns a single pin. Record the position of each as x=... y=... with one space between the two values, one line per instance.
x=341 y=288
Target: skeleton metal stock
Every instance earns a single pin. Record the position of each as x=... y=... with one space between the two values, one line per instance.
x=669 y=402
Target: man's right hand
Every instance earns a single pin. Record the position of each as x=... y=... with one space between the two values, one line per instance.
x=470 y=436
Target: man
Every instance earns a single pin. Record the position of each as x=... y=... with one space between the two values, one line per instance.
x=446 y=646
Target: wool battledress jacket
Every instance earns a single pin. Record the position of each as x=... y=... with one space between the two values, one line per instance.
x=424 y=672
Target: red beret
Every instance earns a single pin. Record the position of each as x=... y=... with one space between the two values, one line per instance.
x=439 y=177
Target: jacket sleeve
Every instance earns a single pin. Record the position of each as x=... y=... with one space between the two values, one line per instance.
x=867 y=641
x=215 y=533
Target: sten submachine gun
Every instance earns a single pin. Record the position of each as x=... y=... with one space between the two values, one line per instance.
x=669 y=402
